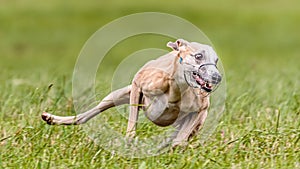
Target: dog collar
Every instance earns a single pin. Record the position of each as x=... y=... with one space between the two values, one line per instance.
x=180 y=59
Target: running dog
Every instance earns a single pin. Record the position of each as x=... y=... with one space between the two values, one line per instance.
x=172 y=90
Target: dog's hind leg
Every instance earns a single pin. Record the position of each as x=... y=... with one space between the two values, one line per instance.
x=115 y=98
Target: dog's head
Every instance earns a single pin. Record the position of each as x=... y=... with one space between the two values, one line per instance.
x=199 y=64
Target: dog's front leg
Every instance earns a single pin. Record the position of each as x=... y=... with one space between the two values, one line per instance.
x=190 y=125
x=133 y=114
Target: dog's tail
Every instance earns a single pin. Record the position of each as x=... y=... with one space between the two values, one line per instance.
x=115 y=98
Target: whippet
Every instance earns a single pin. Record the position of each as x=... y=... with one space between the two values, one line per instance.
x=172 y=90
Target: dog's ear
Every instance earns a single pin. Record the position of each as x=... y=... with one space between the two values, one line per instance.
x=173 y=45
x=178 y=45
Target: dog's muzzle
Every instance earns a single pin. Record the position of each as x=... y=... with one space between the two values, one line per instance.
x=206 y=77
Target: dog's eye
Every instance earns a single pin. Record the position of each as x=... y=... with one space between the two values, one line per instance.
x=198 y=56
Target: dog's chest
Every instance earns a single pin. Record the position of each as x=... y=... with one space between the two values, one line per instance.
x=191 y=102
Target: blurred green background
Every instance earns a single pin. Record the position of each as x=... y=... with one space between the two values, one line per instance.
x=41 y=35
x=258 y=42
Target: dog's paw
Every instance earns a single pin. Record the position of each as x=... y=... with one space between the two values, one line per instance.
x=47 y=118
x=179 y=144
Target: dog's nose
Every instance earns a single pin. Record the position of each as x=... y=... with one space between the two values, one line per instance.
x=216 y=78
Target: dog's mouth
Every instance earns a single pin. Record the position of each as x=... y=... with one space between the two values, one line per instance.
x=203 y=84
x=198 y=79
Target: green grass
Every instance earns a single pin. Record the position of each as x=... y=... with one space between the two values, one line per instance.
x=258 y=42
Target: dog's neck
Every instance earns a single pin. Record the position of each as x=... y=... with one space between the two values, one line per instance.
x=178 y=73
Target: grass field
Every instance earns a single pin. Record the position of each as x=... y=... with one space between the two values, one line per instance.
x=258 y=42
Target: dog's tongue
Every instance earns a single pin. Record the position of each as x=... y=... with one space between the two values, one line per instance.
x=199 y=80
